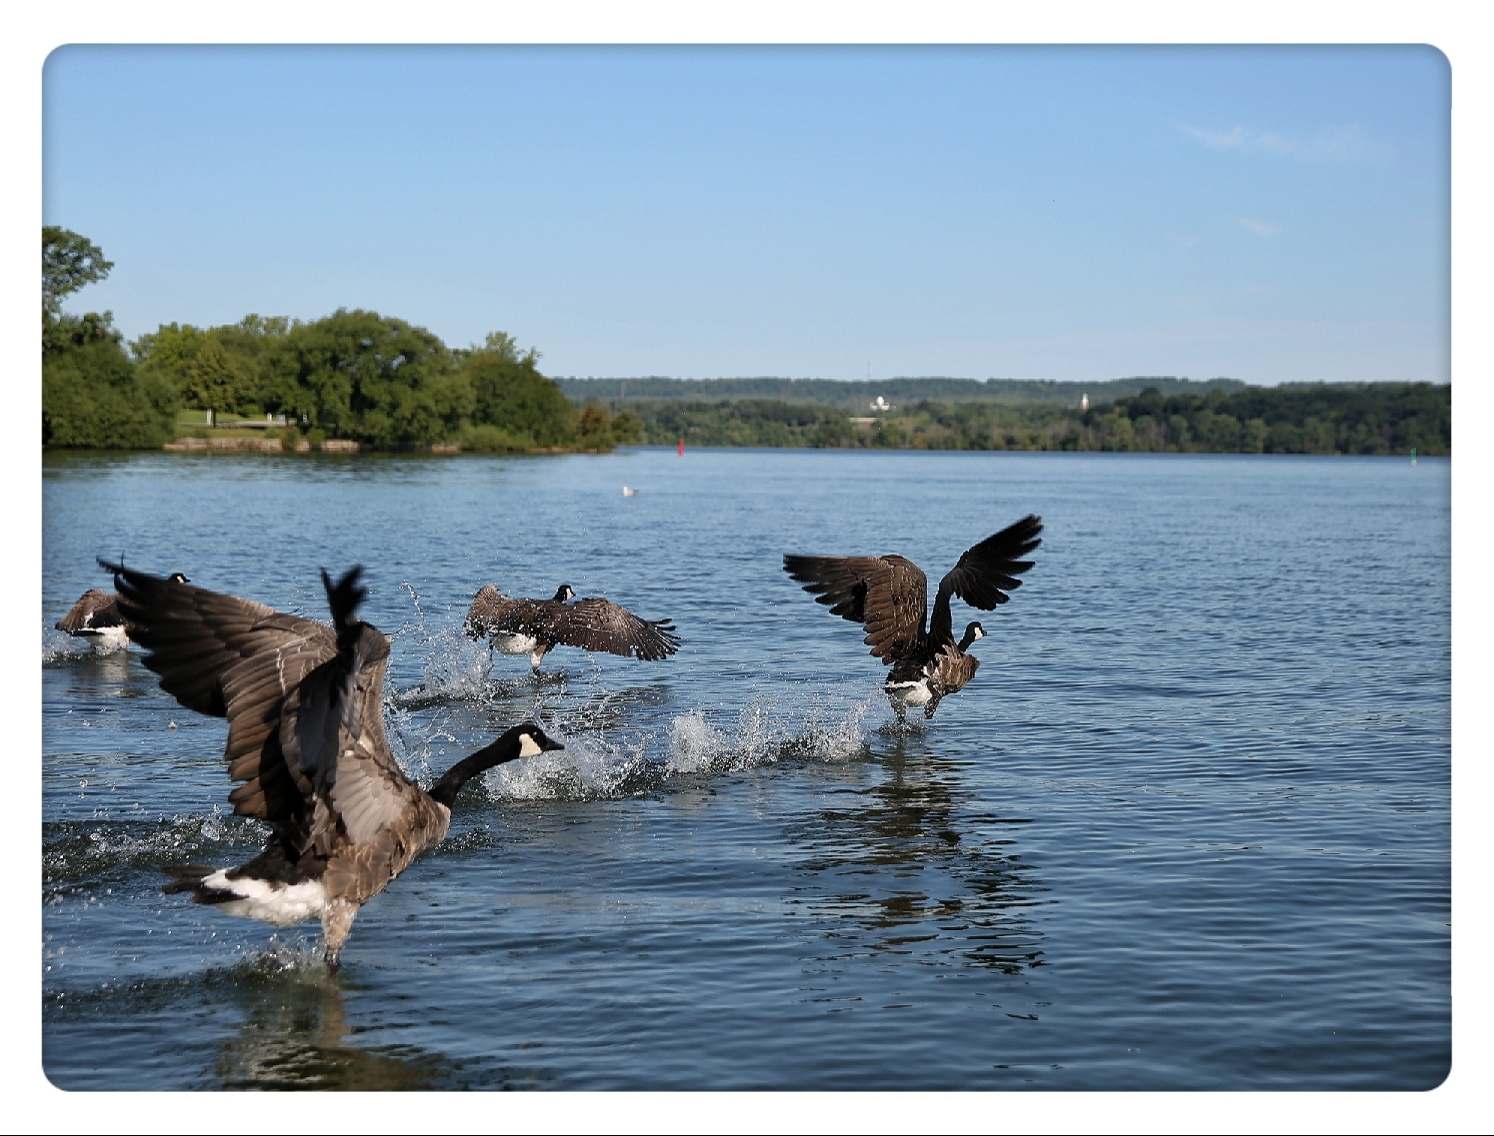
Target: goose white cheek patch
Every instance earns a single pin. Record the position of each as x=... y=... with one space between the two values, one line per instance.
x=528 y=747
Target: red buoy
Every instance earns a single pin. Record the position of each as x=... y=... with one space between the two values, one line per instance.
x=682 y=447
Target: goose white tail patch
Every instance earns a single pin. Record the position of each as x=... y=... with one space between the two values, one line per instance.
x=909 y=693
x=106 y=640
x=284 y=905
x=513 y=643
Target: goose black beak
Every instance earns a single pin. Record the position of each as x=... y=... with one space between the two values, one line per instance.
x=551 y=743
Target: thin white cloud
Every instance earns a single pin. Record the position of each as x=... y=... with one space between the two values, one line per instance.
x=1259 y=228
x=1330 y=144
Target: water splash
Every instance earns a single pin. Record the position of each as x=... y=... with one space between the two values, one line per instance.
x=60 y=647
x=456 y=670
x=619 y=762
x=77 y=850
x=587 y=769
x=766 y=732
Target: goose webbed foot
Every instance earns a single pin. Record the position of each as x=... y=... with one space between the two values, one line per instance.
x=337 y=922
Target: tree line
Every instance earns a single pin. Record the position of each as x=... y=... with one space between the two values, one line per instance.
x=377 y=380
x=1362 y=418
x=855 y=397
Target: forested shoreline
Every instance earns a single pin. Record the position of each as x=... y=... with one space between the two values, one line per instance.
x=360 y=379
x=855 y=396
x=1365 y=418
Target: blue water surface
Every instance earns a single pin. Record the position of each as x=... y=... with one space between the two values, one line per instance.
x=1187 y=828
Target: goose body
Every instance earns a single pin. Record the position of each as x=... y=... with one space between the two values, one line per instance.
x=515 y=626
x=304 y=703
x=888 y=596
x=96 y=617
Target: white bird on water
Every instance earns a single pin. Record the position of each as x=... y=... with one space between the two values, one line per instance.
x=629 y=491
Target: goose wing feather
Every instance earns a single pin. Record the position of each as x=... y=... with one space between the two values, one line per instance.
x=516 y=616
x=490 y=608
x=306 y=734
x=95 y=610
x=331 y=734
x=596 y=624
x=887 y=595
x=987 y=572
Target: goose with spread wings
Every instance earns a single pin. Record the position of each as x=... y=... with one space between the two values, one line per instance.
x=304 y=703
x=517 y=626
x=96 y=618
x=888 y=596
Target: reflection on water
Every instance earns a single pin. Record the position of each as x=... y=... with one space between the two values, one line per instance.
x=288 y=1028
x=913 y=865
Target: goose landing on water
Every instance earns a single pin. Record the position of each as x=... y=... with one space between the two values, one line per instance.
x=96 y=617
x=888 y=595
x=304 y=704
x=532 y=627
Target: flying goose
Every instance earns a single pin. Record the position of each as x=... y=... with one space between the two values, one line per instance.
x=888 y=595
x=306 y=739
x=96 y=617
x=519 y=626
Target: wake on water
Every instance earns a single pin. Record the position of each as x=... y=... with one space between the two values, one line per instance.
x=607 y=754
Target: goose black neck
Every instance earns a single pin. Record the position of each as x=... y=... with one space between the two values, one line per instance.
x=967 y=639
x=446 y=789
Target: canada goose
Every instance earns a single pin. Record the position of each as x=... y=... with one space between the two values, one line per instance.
x=889 y=596
x=306 y=738
x=96 y=617
x=519 y=626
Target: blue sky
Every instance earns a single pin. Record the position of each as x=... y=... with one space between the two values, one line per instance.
x=1271 y=214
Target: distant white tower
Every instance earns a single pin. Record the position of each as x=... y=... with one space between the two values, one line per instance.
x=1084 y=402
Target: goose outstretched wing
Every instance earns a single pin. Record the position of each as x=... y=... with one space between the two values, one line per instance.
x=987 y=572
x=887 y=595
x=95 y=610
x=596 y=624
x=304 y=701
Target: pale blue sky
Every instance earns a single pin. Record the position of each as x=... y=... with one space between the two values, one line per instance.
x=1271 y=214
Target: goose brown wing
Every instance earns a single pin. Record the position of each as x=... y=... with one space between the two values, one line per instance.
x=231 y=658
x=988 y=571
x=331 y=736
x=489 y=608
x=888 y=595
x=596 y=624
x=95 y=610
x=520 y=616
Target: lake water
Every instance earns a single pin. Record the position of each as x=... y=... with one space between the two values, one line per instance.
x=1189 y=827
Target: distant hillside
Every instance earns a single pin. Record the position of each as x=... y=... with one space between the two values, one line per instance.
x=854 y=395
x=1349 y=418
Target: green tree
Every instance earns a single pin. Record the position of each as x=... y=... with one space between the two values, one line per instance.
x=508 y=392
x=92 y=397
x=214 y=369
x=360 y=375
x=91 y=393
x=69 y=261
